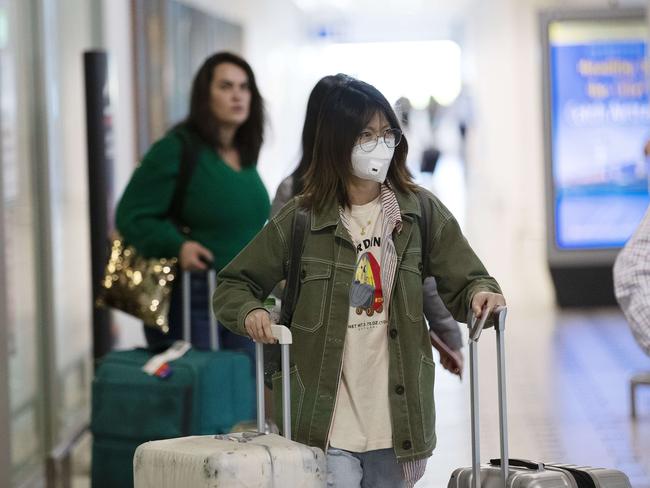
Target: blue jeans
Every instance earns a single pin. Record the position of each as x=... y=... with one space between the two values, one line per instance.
x=200 y=322
x=372 y=469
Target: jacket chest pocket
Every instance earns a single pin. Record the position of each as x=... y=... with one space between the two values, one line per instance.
x=310 y=308
x=410 y=282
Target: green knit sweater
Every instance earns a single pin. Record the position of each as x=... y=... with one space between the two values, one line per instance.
x=223 y=208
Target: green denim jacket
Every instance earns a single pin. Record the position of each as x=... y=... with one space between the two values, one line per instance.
x=321 y=315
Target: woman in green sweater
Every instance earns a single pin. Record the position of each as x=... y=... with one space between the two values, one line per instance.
x=225 y=203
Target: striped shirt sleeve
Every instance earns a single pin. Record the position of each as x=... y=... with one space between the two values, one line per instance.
x=632 y=282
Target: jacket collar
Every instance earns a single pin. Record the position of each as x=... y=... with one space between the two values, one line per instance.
x=329 y=215
x=326 y=217
x=409 y=204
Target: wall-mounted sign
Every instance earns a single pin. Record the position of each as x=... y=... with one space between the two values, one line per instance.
x=600 y=122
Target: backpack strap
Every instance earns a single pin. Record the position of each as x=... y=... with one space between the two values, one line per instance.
x=425 y=228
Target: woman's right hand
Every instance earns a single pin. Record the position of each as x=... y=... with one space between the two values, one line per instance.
x=453 y=362
x=258 y=326
x=194 y=257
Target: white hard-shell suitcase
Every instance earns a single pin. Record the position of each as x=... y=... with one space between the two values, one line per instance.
x=518 y=473
x=249 y=459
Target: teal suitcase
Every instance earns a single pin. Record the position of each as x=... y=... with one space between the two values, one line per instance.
x=207 y=393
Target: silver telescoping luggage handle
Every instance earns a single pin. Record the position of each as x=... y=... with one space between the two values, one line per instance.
x=476 y=327
x=187 y=308
x=280 y=332
x=284 y=337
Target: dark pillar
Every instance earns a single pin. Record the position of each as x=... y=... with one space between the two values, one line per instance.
x=99 y=130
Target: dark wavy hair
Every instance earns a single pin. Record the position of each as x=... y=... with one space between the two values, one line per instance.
x=201 y=120
x=314 y=103
x=345 y=112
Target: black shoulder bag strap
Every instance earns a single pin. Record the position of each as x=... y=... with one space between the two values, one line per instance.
x=292 y=287
x=189 y=159
x=291 y=290
x=187 y=164
x=425 y=229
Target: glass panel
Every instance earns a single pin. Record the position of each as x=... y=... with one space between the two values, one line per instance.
x=72 y=294
x=17 y=217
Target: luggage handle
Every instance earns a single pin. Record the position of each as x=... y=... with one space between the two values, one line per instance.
x=187 y=308
x=284 y=337
x=520 y=463
x=476 y=326
x=499 y=314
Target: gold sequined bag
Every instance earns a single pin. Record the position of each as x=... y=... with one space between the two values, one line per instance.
x=138 y=286
x=142 y=286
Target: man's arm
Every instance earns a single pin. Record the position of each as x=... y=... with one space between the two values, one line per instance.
x=632 y=282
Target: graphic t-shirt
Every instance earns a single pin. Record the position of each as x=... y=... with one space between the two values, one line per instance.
x=362 y=414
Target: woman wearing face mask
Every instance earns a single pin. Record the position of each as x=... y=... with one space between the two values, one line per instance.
x=362 y=378
x=445 y=330
x=225 y=129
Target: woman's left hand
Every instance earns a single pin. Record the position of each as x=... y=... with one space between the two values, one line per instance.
x=486 y=300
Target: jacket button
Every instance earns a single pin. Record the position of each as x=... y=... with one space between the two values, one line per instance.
x=399 y=389
x=406 y=445
x=393 y=333
x=303 y=273
x=420 y=267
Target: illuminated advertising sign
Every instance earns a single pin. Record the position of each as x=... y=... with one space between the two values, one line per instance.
x=600 y=122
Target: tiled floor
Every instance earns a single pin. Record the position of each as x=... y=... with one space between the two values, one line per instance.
x=568 y=399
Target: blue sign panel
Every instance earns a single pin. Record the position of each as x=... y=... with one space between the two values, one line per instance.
x=600 y=124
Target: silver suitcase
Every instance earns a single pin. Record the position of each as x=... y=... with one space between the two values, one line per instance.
x=249 y=459
x=518 y=473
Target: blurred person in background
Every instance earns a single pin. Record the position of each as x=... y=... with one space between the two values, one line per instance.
x=362 y=375
x=443 y=327
x=225 y=204
x=403 y=110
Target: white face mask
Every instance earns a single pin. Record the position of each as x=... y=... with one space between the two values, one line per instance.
x=372 y=165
